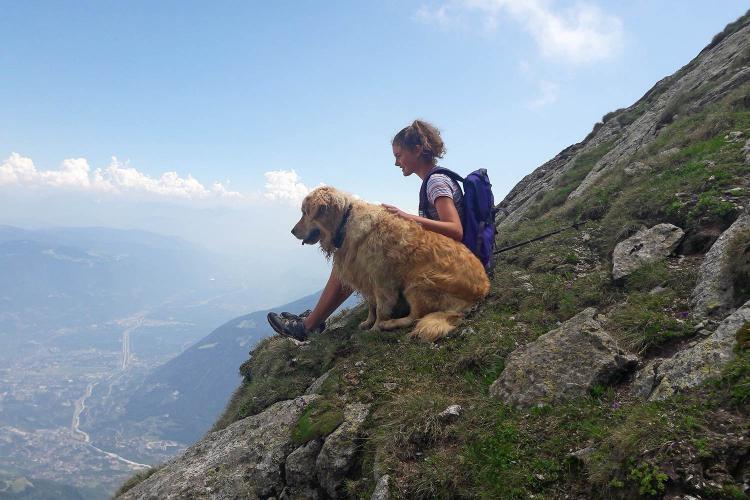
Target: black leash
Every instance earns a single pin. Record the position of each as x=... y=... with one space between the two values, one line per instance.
x=575 y=225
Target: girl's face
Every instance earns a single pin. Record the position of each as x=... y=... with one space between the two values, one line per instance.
x=406 y=159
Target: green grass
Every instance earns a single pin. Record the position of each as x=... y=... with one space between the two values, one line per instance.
x=279 y=370
x=685 y=189
x=317 y=421
x=491 y=450
x=646 y=321
x=136 y=479
x=570 y=180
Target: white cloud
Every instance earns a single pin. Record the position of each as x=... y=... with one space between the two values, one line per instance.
x=17 y=170
x=581 y=34
x=170 y=184
x=284 y=185
x=117 y=178
x=548 y=92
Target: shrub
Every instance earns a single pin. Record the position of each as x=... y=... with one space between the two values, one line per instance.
x=649 y=478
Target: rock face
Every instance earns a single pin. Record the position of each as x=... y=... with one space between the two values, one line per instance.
x=244 y=460
x=713 y=294
x=646 y=246
x=660 y=379
x=562 y=364
x=256 y=458
x=317 y=386
x=300 y=464
x=336 y=457
x=626 y=131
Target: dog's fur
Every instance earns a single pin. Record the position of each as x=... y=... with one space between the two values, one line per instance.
x=383 y=255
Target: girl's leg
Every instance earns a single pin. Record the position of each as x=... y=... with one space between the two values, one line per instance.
x=334 y=294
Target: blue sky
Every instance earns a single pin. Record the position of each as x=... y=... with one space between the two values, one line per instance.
x=230 y=91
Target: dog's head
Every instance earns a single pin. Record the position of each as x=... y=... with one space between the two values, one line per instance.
x=322 y=211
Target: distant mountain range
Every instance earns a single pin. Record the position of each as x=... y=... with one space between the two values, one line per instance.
x=66 y=277
x=101 y=338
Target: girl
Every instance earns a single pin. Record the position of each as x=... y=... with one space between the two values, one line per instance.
x=416 y=149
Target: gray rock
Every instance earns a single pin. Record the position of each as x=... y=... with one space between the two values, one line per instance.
x=583 y=455
x=381 y=489
x=317 y=385
x=668 y=153
x=713 y=294
x=637 y=167
x=300 y=464
x=734 y=136
x=646 y=246
x=691 y=367
x=337 y=456
x=244 y=460
x=299 y=493
x=450 y=413
x=746 y=151
x=562 y=364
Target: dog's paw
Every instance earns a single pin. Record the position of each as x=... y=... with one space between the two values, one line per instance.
x=366 y=324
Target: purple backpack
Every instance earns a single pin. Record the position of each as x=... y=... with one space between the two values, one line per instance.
x=478 y=211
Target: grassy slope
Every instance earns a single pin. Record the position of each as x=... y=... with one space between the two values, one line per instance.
x=631 y=448
x=495 y=451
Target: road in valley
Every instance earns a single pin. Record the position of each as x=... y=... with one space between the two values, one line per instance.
x=126 y=341
x=132 y=323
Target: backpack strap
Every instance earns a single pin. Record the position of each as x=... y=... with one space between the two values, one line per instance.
x=423 y=201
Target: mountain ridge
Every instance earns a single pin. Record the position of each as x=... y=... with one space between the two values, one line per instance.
x=566 y=382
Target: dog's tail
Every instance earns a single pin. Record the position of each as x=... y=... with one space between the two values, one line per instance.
x=436 y=325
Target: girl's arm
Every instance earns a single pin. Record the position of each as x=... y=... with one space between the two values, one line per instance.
x=449 y=224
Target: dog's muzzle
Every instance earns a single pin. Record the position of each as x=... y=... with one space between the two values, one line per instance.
x=312 y=237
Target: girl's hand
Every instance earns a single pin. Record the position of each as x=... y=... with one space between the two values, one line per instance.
x=396 y=211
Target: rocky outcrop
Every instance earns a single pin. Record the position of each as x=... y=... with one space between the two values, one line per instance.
x=714 y=294
x=300 y=464
x=712 y=75
x=691 y=367
x=336 y=458
x=245 y=460
x=562 y=364
x=256 y=458
x=381 y=489
x=714 y=66
x=646 y=246
x=317 y=386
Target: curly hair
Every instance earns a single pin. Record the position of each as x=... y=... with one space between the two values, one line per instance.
x=421 y=133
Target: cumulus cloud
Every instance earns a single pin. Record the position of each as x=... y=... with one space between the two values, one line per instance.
x=581 y=34
x=120 y=178
x=285 y=185
x=117 y=178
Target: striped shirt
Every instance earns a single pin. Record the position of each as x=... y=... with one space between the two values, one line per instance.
x=441 y=185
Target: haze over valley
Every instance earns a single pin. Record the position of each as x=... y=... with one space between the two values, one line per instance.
x=87 y=317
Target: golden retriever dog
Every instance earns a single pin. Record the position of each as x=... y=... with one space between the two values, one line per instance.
x=381 y=255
